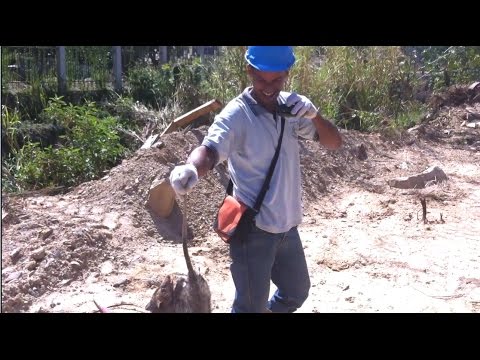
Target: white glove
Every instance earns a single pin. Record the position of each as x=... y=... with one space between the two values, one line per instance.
x=183 y=178
x=303 y=106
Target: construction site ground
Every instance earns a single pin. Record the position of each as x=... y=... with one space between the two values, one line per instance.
x=367 y=247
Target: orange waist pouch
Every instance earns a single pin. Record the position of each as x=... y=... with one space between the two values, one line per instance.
x=233 y=219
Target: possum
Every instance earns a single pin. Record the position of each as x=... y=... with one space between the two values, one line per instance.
x=179 y=293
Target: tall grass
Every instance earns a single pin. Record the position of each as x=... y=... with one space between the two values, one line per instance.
x=227 y=74
x=356 y=86
x=10 y=148
x=10 y=122
x=302 y=79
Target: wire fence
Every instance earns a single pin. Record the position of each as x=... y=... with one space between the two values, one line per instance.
x=89 y=68
x=86 y=67
x=24 y=66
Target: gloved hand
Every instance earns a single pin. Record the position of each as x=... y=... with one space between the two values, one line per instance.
x=183 y=178
x=303 y=106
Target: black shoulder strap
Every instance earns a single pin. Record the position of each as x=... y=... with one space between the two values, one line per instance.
x=230 y=187
x=266 y=183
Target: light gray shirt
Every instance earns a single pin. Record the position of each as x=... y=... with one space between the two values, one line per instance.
x=247 y=135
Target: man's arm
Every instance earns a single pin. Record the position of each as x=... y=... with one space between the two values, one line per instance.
x=203 y=158
x=328 y=134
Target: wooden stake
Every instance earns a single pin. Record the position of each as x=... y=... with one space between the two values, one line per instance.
x=424 y=208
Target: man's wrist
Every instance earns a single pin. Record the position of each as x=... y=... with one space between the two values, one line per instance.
x=192 y=167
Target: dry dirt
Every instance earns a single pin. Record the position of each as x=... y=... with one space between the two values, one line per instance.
x=367 y=248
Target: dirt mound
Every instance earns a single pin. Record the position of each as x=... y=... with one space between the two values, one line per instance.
x=456 y=95
x=455 y=123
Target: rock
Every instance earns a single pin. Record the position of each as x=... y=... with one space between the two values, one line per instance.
x=420 y=128
x=65 y=282
x=158 y=145
x=16 y=254
x=123 y=281
x=430 y=176
x=76 y=264
x=7 y=270
x=38 y=254
x=106 y=268
x=362 y=152
x=45 y=234
x=32 y=265
x=13 y=276
x=110 y=220
x=474 y=86
x=151 y=232
x=5 y=216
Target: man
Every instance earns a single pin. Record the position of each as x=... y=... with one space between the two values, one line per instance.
x=246 y=132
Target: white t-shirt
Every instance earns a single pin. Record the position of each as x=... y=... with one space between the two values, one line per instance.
x=247 y=135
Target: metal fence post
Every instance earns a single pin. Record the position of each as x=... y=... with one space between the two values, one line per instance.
x=163 y=54
x=200 y=50
x=117 y=67
x=61 y=70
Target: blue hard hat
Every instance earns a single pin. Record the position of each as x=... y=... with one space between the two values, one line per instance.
x=270 y=58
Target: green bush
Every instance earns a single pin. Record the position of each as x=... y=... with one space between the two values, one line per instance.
x=189 y=75
x=91 y=146
x=445 y=66
x=151 y=86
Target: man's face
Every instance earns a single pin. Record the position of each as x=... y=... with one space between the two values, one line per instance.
x=267 y=86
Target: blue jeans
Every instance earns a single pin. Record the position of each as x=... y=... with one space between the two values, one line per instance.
x=262 y=256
